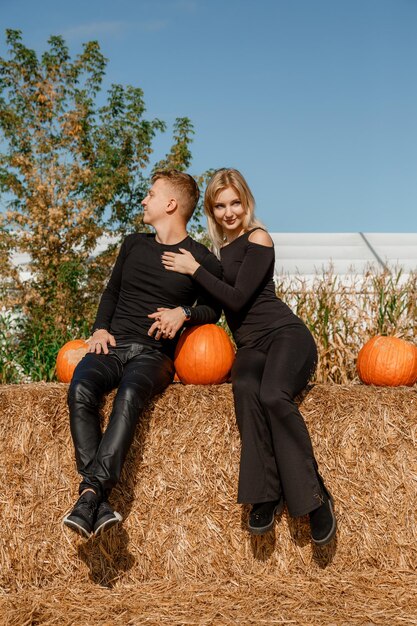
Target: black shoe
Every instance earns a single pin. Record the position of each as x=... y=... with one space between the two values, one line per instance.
x=323 y=521
x=262 y=516
x=106 y=518
x=83 y=515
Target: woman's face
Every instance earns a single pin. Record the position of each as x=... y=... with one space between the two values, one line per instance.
x=229 y=212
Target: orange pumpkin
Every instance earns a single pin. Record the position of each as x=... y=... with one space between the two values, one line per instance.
x=387 y=361
x=204 y=355
x=68 y=358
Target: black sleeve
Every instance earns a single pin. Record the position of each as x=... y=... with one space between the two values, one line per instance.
x=254 y=268
x=110 y=295
x=207 y=309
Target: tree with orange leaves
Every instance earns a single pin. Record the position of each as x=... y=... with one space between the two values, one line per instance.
x=70 y=171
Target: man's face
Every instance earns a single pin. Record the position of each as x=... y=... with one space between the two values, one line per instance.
x=157 y=202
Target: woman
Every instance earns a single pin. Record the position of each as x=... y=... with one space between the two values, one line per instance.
x=275 y=358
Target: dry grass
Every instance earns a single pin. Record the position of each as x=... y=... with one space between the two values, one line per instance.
x=371 y=598
x=182 y=555
x=344 y=312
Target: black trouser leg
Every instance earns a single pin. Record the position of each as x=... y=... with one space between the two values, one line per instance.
x=271 y=425
x=100 y=458
x=259 y=479
x=95 y=375
x=143 y=377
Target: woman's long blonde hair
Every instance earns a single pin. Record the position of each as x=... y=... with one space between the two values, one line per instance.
x=222 y=179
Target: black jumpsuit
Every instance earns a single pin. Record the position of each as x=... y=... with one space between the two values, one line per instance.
x=275 y=358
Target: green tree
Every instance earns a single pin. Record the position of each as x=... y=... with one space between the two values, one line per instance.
x=70 y=171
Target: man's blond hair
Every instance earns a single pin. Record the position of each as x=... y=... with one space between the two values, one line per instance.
x=185 y=186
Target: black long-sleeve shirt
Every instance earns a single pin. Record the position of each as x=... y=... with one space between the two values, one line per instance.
x=139 y=284
x=247 y=291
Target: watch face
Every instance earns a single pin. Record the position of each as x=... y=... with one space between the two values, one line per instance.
x=187 y=312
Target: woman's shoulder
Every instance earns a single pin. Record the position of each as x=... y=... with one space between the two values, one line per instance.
x=260 y=237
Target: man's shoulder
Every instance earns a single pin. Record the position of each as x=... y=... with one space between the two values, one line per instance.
x=135 y=239
x=207 y=259
x=198 y=247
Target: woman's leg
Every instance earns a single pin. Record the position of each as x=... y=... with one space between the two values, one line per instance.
x=290 y=361
x=258 y=476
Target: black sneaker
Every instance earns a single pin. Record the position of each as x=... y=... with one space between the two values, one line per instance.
x=106 y=518
x=83 y=515
x=323 y=521
x=262 y=516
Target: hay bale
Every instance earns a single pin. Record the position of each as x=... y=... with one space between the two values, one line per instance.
x=355 y=599
x=183 y=533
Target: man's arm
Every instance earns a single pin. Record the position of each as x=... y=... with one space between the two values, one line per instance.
x=101 y=337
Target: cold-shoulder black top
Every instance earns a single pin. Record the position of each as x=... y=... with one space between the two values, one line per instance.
x=247 y=291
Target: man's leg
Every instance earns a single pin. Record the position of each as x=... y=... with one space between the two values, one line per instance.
x=94 y=376
x=146 y=374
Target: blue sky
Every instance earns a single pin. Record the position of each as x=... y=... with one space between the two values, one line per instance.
x=315 y=101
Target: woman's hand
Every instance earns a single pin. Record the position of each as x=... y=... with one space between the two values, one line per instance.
x=167 y=322
x=184 y=263
x=99 y=340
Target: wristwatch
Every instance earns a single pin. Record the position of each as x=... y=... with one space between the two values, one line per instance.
x=187 y=313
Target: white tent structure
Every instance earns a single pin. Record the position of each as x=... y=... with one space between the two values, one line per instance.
x=347 y=253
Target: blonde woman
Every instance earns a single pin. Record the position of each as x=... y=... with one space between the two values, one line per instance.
x=275 y=358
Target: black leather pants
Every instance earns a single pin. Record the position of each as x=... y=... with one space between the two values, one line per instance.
x=139 y=372
x=277 y=457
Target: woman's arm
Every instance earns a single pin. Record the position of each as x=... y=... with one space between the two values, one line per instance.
x=182 y=262
x=205 y=310
x=253 y=270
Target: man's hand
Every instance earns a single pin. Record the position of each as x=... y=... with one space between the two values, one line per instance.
x=99 y=340
x=167 y=322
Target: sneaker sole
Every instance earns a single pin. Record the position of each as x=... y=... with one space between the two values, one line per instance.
x=73 y=525
x=332 y=532
x=107 y=524
x=261 y=530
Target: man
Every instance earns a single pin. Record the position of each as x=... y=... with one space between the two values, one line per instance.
x=132 y=344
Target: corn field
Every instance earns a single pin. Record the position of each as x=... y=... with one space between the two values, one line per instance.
x=343 y=312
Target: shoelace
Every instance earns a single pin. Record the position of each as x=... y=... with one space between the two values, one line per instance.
x=89 y=504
